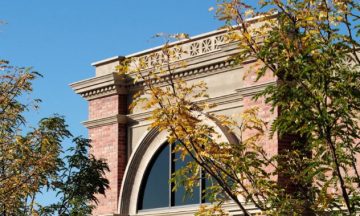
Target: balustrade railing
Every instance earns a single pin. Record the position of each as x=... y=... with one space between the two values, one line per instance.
x=180 y=51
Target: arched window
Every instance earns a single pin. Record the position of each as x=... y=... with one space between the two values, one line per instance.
x=155 y=186
x=155 y=189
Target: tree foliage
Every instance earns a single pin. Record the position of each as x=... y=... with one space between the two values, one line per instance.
x=31 y=159
x=310 y=46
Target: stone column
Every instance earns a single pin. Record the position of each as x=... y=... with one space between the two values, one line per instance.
x=107 y=97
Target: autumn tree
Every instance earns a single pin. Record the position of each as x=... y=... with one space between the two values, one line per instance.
x=31 y=159
x=311 y=47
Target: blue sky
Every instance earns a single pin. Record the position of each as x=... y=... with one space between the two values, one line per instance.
x=60 y=39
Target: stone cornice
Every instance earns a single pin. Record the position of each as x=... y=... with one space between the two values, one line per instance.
x=198 y=66
x=193 y=73
x=116 y=119
x=114 y=83
x=101 y=86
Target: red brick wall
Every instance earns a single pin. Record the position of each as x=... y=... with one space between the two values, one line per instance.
x=103 y=107
x=109 y=142
x=276 y=145
x=264 y=112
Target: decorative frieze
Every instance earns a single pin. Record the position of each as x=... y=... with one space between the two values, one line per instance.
x=182 y=50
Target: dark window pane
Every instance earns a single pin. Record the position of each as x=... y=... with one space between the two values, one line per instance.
x=180 y=196
x=155 y=185
x=209 y=191
x=208 y=183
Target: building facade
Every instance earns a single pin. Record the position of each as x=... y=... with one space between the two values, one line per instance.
x=135 y=153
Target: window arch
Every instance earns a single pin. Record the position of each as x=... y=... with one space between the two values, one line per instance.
x=155 y=191
x=138 y=164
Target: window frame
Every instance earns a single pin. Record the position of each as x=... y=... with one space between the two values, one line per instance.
x=171 y=194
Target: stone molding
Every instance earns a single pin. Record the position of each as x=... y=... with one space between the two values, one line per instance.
x=112 y=84
x=254 y=89
x=219 y=101
x=131 y=170
x=190 y=210
x=187 y=75
x=225 y=99
x=116 y=119
x=106 y=85
x=198 y=66
x=139 y=117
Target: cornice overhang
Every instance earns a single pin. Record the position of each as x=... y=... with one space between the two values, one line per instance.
x=114 y=83
x=101 y=86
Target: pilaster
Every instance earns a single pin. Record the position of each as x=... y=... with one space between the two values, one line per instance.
x=107 y=98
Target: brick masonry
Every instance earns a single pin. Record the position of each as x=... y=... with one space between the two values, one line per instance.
x=109 y=142
x=270 y=144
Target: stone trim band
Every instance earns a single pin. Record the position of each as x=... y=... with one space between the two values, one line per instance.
x=116 y=119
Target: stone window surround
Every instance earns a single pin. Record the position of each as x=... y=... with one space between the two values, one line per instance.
x=138 y=164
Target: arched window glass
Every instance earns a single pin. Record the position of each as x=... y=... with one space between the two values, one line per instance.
x=180 y=197
x=155 y=186
x=156 y=190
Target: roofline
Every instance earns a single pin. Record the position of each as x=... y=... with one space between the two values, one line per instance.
x=107 y=60
x=114 y=58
